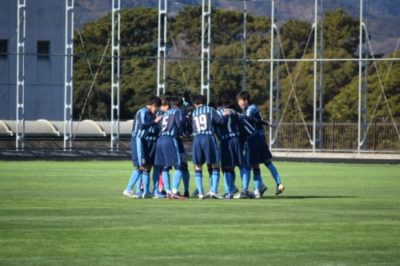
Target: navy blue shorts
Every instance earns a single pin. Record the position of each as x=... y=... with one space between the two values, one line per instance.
x=168 y=153
x=205 y=150
x=256 y=151
x=142 y=151
x=231 y=152
x=268 y=154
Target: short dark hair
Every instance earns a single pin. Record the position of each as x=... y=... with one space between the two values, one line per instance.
x=244 y=95
x=166 y=100
x=199 y=99
x=177 y=101
x=154 y=100
x=225 y=99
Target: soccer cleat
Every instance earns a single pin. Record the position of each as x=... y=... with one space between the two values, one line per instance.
x=128 y=194
x=186 y=194
x=279 y=189
x=212 y=195
x=201 y=196
x=257 y=194
x=159 y=195
x=175 y=196
x=138 y=195
x=263 y=189
x=147 y=196
x=228 y=196
x=243 y=195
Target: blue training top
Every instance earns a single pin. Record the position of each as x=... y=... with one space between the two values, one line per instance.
x=254 y=114
x=144 y=125
x=172 y=123
x=204 y=119
x=231 y=127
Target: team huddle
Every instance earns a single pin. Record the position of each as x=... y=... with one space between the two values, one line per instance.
x=222 y=139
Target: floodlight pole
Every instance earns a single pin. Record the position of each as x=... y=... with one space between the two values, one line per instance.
x=20 y=88
x=271 y=77
x=205 y=47
x=317 y=99
x=115 y=73
x=244 y=81
x=68 y=73
x=162 y=46
x=321 y=78
x=274 y=87
x=362 y=89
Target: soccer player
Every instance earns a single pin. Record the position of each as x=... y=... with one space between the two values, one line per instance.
x=143 y=145
x=204 y=150
x=258 y=147
x=231 y=148
x=168 y=153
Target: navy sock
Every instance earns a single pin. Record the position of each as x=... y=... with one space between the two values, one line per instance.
x=257 y=178
x=186 y=179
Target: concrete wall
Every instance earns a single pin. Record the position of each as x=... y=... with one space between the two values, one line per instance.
x=44 y=89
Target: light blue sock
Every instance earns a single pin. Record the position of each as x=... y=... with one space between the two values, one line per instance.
x=134 y=178
x=176 y=180
x=146 y=182
x=165 y=177
x=215 y=181
x=156 y=178
x=228 y=181
x=257 y=178
x=186 y=179
x=139 y=185
x=245 y=175
x=274 y=172
x=198 y=176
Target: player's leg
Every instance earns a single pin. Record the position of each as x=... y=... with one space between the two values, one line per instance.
x=275 y=174
x=136 y=173
x=198 y=160
x=178 y=172
x=160 y=171
x=211 y=153
x=257 y=181
x=146 y=182
x=184 y=168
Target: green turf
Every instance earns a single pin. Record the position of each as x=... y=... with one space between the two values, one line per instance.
x=73 y=213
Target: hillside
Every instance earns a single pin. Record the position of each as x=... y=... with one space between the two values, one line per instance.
x=383 y=16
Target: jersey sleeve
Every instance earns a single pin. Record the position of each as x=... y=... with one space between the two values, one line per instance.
x=217 y=117
x=146 y=120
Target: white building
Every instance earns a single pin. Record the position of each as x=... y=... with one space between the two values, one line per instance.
x=44 y=59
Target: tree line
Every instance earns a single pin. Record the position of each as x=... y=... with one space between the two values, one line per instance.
x=139 y=64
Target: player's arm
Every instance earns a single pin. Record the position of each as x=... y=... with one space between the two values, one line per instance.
x=219 y=118
x=147 y=121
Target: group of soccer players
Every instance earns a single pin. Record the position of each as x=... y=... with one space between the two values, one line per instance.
x=222 y=139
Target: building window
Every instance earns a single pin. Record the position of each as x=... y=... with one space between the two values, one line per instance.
x=3 y=48
x=43 y=49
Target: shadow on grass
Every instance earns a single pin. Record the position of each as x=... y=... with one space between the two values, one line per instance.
x=310 y=197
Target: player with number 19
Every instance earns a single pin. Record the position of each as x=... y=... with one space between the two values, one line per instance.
x=205 y=150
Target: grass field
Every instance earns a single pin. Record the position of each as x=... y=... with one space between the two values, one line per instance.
x=73 y=213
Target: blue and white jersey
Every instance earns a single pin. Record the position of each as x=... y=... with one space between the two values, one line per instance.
x=144 y=125
x=247 y=128
x=172 y=122
x=204 y=119
x=231 y=127
x=254 y=114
